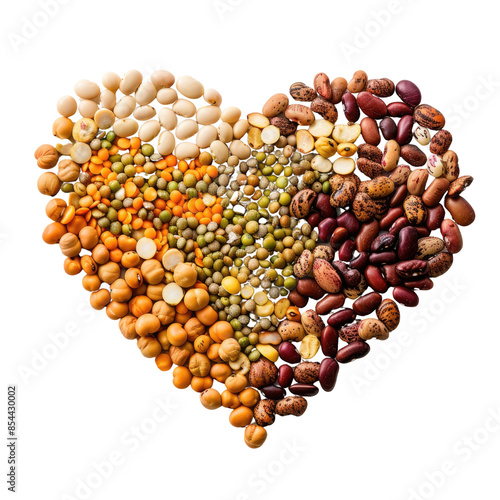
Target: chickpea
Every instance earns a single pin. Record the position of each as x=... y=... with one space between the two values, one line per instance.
x=211 y=399
x=163 y=362
x=163 y=340
x=147 y=324
x=236 y=383
x=116 y=310
x=255 y=436
x=181 y=377
x=220 y=372
x=91 y=283
x=241 y=416
x=100 y=299
x=249 y=397
x=200 y=384
x=199 y=364
x=149 y=346
x=230 y=400
x=176 y=334
x=72 y=266
x=213 y=353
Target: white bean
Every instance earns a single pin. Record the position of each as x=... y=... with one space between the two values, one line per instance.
x=184 y=108
x=186 y=150
x=186 y=129
x=88 y=108
x=240 y=149
x=166 y=143
x=240 y=128
x=125 y=128
x=167 y=96
x=225 y=132
x=130 y=81
x=208 y=115
x=219 y=151
x=66 y=106
x=111 y=81
x=108 y=99
x=212 y=97
x=231 y=115
x=124 y=107
x=144 y=113
x=206 y=136
x=168 y=118
x=149 y=130
x=189 y=87
x=162 y=79
x=145 y=94
x=85 y=89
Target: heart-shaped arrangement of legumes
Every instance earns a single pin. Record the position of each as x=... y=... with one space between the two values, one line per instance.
x=207 y=252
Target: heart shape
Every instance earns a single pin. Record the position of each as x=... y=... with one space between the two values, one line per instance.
x=208 y=252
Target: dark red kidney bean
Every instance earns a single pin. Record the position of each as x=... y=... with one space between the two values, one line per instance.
x=404 y=133
x=304 y=389
x=398 y=196
x=273 y=392
x=341 y=317
x=369 y=131
x=338 y=237
x=340 y=266
x=326 y=228
x=327 y=304
x=328 y=372
x=355 y=350
x=407 y=243
x=408 y=92
x=422 y=231
x=366 y=304
x=392 y=215
x=346 y=250
x=405 y=296
x=329 y=341
x=350 y=106
x=297 y=299
x=374 y=278
x=421 y=284
x=383 y=242
x=388 y=128
x=452 y=236
x=371 y=105
x=285 y=375
x=288 y=353
x=322 y=204
x=367 y=233
x=352 y=278
x=415 y=268
x=413 y=155
x=377 y=259
x=398 y=225
x=390 y=275
x=435 y=216
x=359 y=262
x=309 y=288
x=398 y=109
x=314 y=219
x=348 y=220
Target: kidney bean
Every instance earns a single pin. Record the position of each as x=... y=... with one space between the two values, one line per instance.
x=304 y=389
x=383 y=242
x=405 y=296
x=398 y=196
x=378 y=259
x=452 y=236
x=398 y=225
x=412 y=268
x=371 y=105
x=327 y=304
x=369 y=131
x=404 y=133
x=273 y=392
x=314 y=219
x=359 y=262
x=421 y=284
x=391 y=215
x=408 y=92
x=297 y=299
x=366 y=304
x=340 y=266
x=435 y=216
x=323 y=205
x=355 y=350
x=338 y=237
x=326 y=228
x=350 y=106
x=288 y=353
x=422 y=231
x=285 y=375
x=341 y=317
x=435 y=191
x=388 y=128
x=346 y=250
x=413 y=155
x=398 y=109
x=328 y=372
x=374 y=278
x=460 y=209
x=352 y=278
x=408 y=243
x=348 y=220
x=367 y=233
x=309 y=288
x=390 y=275
x=329 y=341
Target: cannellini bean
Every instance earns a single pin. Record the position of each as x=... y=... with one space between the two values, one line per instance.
x=231 y=115
x=213 y=97
x=168 y=118
x=162 y=79
x=108 y=99
x=208 y=115
x=219 y=151
x=125 y=128
x=166 y=143
x=225 y=132
x=167 y=96
x=88 y=108
x=111 y=81
x=144 y=113
x=124 y=107
x=130 y=81
x=85 y=89
x=240 y=128
x=186 y=150
x=185 y=108
x=189 y=87
x=66 y=106
x=241 y=150
x=149 y=130
x=186 y=129
x=146 y=93
x=206 y=136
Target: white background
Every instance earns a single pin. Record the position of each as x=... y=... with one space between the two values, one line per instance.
x=396 y=417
